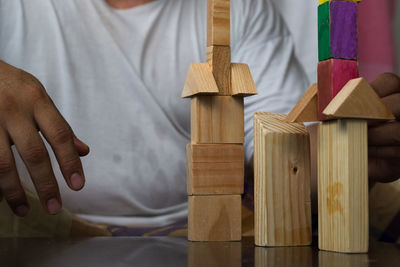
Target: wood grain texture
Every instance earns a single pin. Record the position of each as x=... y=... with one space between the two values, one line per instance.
x=343 y=186
x=218 y=22
x=358 y=100
x=219 y=57
x=217 y=120
x=306 y=110
x=282 y=205
x=215 y=218
x=324 y=35
x=216 y=169
x=217 y=254
x=242 y=80
x=333 y=74
x=199 y=80
x=283 y=256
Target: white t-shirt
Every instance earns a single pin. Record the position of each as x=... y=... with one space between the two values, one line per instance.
x=117 y=76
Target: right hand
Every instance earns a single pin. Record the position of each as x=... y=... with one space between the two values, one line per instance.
x=25 y=109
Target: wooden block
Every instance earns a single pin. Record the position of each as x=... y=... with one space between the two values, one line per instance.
x=242 y=80
x=337 y=30
x=217 y=120
x=215 y=169
x=218 y=22
x=200 y=80
x=306 y=110
x=219 y=57
x=329 y=259
x=214 y=254
x=320 y=2
x=294 y=256
x=333 y=74
x=343 y=186
x=358 y=100
x=215 y=218
x=282 y=204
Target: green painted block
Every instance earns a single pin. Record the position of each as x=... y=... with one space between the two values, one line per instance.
x=324 y=35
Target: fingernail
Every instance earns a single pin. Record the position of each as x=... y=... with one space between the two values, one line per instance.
x=22 y=210
x=53 y=206
x=76 y=181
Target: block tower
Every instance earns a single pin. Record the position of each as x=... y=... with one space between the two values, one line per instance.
x=343 y=103
x=215 y=157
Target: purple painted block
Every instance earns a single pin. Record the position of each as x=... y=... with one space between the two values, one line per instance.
x=343 y=29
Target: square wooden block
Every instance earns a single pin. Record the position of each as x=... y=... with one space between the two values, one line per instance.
x=217 y=119
x=218 y=22
x=215 y=218
x=215 y=169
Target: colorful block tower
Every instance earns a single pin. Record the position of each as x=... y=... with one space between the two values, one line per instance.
x=215 y=157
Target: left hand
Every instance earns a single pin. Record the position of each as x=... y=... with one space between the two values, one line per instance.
x=384 y=138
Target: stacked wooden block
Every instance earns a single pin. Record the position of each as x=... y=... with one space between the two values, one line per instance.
x=215 y=157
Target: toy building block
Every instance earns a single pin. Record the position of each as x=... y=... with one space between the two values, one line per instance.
x=306 y=110
x=219 y=58
x=242 y=81
x=333 y=74
x=217 y=120
x=337 y=30
x=218 y=22
x=215 y=169
x=219 y=254
x=200 y=80
x=343 y=186
x=358 y=100
x=282 y=204
x=320 y=2
x=283 y=256
x=215 y=218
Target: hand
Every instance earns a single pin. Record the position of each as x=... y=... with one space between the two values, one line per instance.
x=25 y=109
x=384 y=138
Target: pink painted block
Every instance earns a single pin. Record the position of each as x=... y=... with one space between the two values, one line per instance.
x=333 y=74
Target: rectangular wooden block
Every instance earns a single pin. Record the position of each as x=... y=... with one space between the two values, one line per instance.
x=333 y=74
x=217 y=120
x=219 y=57
x=282 y=204
x=337 y=30
x=215 y=218
x=218 y=22
x=215 y=169
x=343 y=186
x=214 y=254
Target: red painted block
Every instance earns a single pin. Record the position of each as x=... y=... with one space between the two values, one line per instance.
x=333 y=74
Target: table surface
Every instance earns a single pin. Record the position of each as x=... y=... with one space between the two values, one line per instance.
x=169 y=251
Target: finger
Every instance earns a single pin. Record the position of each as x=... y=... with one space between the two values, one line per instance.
x=387 y=134
x=81 y=147
x=393 y=103
x=383 y=170
x=384 y=152
x=10 y=185
x=61 y=138
x=34 y=154
x=386 y=84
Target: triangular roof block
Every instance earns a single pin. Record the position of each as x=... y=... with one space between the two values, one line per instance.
x=242 y=81
x=200 y=80
x=306 y=110
x=358 y=100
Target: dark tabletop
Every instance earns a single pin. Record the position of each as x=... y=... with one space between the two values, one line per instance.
x=169 y=251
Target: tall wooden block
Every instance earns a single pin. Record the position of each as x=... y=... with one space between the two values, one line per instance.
x=333 y=75
x=214 y=254
x=343 y=186
x=282 y=204
x=217 y=120
x=219 y=58
x=215 y=218
x=337 y=30
x=215 y=169
x=218 y=22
